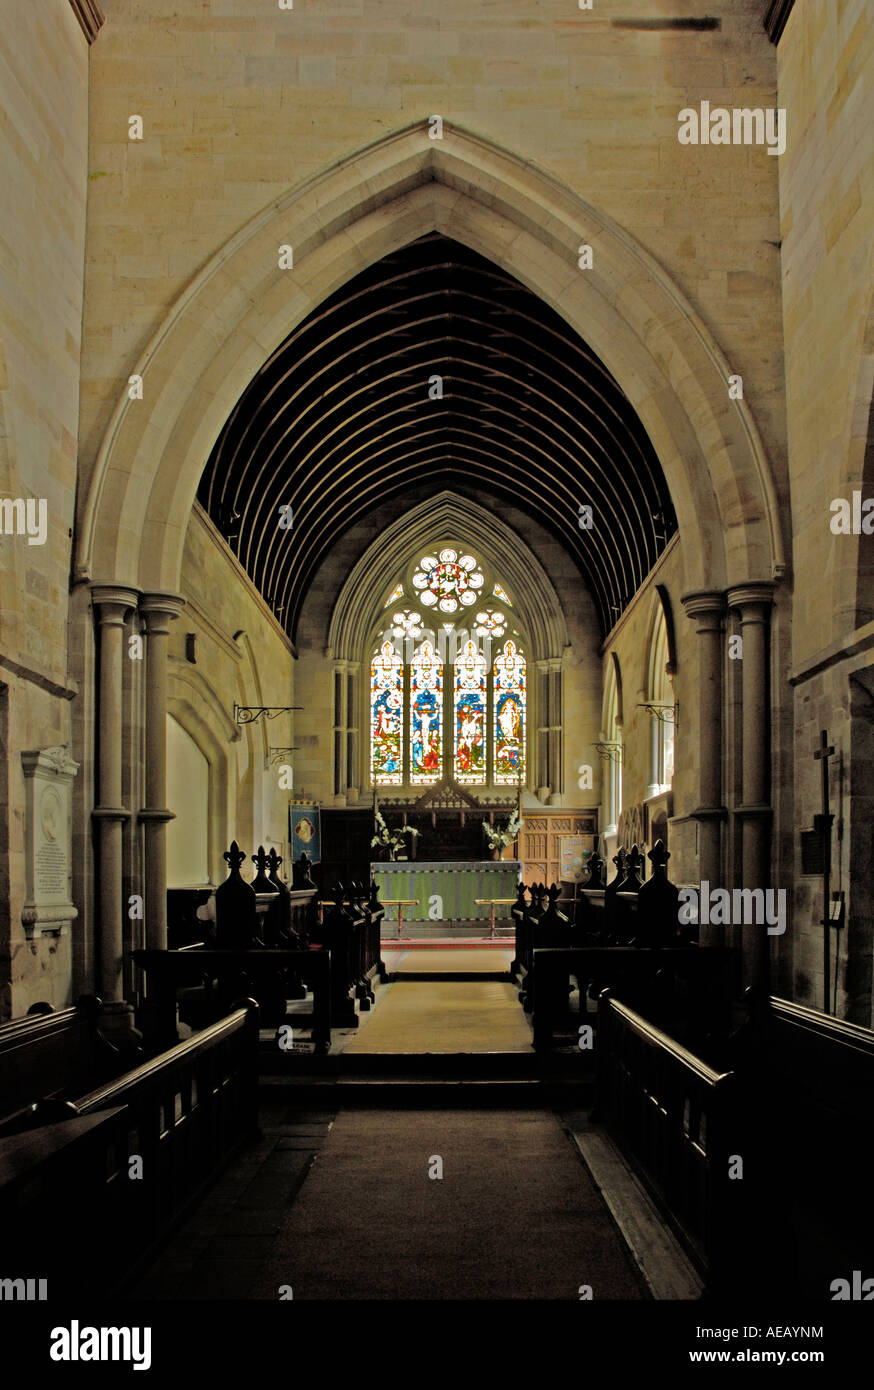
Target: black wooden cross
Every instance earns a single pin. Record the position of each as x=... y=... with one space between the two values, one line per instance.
x=823 y=824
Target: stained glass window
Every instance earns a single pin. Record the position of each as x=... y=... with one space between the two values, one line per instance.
x=407 y=624
x=448 y=580
x=386 y=717
x=426 y=716
x=479 y=706
x=490 y=623
x=470 y=716
x=509 y=715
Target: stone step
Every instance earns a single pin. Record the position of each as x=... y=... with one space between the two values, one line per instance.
x=569 y=1064
x=413 y=1092
x=432 y=976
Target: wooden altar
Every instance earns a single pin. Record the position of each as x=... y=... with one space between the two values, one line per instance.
x=446 y=890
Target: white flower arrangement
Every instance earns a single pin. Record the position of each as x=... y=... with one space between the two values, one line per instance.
x=392 y=840
x=499 y=839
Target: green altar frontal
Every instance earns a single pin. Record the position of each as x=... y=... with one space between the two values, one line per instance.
x=454 y=885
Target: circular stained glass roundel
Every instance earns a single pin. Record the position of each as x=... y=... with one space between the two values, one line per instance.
x=448 y=581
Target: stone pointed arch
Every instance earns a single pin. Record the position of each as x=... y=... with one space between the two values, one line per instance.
x=360 y=604
x=854 y=572
x=241 y=306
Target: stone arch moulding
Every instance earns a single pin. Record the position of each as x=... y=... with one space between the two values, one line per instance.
x=193 y=704
x=854 y=580
x=241 y=306
x=360 y=602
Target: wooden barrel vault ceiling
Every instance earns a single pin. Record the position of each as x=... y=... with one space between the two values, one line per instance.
x=342 y=418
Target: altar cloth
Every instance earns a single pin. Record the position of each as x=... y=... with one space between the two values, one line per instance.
x=447 y=890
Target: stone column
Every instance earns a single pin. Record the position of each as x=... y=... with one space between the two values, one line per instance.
x=158 y=612
x=707 y=606
x=754 y=602
x=111 y=603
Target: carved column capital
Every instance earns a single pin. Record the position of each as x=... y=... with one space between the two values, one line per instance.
x=755 y=599
x=707 y=605
x=159 y=610
x=112 y=603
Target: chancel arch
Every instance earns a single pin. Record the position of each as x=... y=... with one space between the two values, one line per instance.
x=240 y=308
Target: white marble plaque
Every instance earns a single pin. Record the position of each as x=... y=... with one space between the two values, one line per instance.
x=48 y=775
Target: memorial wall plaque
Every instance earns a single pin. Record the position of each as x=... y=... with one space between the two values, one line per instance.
x=48 y=777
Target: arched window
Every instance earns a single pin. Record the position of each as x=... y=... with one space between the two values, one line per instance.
x=613 y=755
x=441 y=703
x=509 y=718
x=426 y=716
x=660 y=698
x=386 y=717
x=188 y=795
x=469 y=763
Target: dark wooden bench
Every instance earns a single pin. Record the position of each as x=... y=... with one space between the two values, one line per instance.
x=351 y=931
x=266 y=975
x=815 y=1083
x=684 y=987
x=53 y=1055
x=679 y=1122
x=70 y=1205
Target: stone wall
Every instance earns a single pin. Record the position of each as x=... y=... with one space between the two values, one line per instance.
x=826 y=70
x=241 y=655
x=629 y=642
x=43 y=174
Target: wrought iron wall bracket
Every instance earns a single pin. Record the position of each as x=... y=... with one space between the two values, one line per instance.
x=613 y=751
x=665 y=713
x=250 y=714
x=278 y=755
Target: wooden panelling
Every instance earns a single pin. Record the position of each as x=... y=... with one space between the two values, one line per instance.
x=539 y=844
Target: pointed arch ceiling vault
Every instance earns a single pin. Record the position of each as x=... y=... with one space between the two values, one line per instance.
x=435 y=371
x=238 y=312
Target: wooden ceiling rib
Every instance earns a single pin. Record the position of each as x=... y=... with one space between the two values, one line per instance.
x=339 y=420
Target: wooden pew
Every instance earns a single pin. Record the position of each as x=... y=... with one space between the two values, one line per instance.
x=49 y=1055
x=551 y=928
x=69 y=1206
x=814 y=1078
x=540 y=924
x=680 y=1122
x=685 y=989
x=259 y=945
x=262 y=973
x=632 y=952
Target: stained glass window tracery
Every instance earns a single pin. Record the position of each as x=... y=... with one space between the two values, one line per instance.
x=448 y=580
x=490 y=623
x=469 y=763
x=407 y=624
x=426 y=716
x=470 y=717
x=386 y=717
x=509 y=714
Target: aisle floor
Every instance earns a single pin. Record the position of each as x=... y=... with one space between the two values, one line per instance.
x=427 y=1016
x=346 y=1208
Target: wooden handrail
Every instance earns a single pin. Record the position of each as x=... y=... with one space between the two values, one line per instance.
x=165 y=1061
x=854 y=1035
x=667 y=1044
